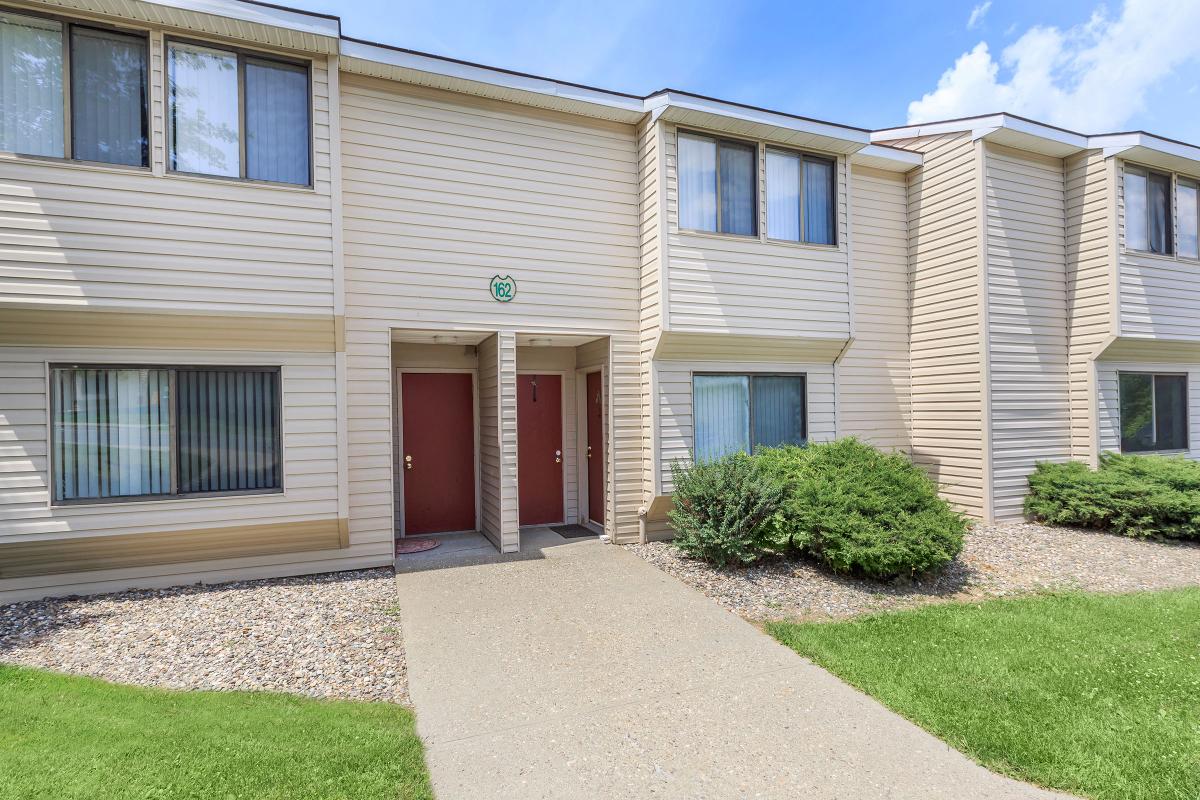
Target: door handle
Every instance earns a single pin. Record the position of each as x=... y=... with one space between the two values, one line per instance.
x=558 y=456
x=408 y=462
x=589 y=454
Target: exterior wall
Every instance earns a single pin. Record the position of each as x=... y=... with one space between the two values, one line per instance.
x=1027 y=320
x=948 y=364
x=651 y=190
x=310 y=477
x=717 y=283
x=1091 y=305
x=1159 y=295
x=873 y=385
x=93 y=237
x=128 y=265
x=442 y=192
x=674 y=378
x=498 y=440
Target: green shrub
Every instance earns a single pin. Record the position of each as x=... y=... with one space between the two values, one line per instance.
x=1140 y=496
x=861 y=511
x=721 y=507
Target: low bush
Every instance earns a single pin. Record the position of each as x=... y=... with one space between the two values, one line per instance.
x=721 y=507
x=861 y=511
x=1139 y=496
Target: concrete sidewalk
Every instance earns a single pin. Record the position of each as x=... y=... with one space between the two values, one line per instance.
x=578 y=670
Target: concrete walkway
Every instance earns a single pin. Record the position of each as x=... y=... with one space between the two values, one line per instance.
x=576 y=669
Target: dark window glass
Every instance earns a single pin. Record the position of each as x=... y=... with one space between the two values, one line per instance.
x=228 y=430
x=738 y=209
x=277 y=129
x=777 y=407
x=1170 y=412
x=819 y=193
x=1153 y=412
x=108 y=97
x=1160 y=228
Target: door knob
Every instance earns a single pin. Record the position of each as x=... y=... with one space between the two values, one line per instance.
x=589 y=454
x=408 y=462
x=558 y=456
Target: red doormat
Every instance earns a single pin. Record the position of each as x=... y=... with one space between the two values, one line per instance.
x=407 y=546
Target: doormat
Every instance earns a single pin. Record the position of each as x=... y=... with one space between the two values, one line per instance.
x=407 y=546
x=573 y=531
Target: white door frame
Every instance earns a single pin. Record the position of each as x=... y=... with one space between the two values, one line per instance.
x=563 y=375
x=581 y=440
x=398 y=453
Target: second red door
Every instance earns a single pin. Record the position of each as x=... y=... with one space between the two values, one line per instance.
x=539 y=449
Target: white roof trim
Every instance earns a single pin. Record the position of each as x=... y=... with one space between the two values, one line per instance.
x=705 y=105
x=262 y=15
x=887 y=158
x=487 y=75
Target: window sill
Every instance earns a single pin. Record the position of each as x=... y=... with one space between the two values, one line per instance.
x=824 y=248
x=1146 y=254
x=1182 y=452
x=733 y=237
x=223 y=180
x=134 y=502
x=68 y=163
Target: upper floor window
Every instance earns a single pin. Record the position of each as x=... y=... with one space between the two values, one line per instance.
x=1186 y=193
x=717 y=185
x=48 y=67
x=1148 y=220
x=237 y=115
x=1154 y=412
x=800 y=197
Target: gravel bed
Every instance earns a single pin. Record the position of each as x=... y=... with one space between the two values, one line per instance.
x=331 y=635
x=997 y=560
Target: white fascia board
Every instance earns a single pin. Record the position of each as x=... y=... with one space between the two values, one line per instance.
x=485 y=75
x=887 y=158
x=757 y=116
x=1116 y=143
x=262 y=15
x=982 y=124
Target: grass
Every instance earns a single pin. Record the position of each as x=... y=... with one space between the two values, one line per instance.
x=1098 y=695
x=65 y=737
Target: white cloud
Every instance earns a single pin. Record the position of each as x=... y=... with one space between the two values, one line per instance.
x=978 y=13
x=1092 y=77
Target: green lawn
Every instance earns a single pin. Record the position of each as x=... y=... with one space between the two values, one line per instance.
x=65 y=737
x=1097 y=695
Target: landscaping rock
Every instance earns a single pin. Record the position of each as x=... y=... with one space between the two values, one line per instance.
x=333 y=635
x=996 y=561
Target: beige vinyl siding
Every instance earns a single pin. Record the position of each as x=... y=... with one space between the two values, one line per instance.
x=1090 y=300
x=1109 y=415
x=946 y=348
x=624 y=432
x=873 y=387
x=651 y=177
x=498 y=439
x=719 y=283
x=442 y=192
x=81 y=236
x=309 y=474
x=1159 y=295
x=676 y=424
x=1027 y=320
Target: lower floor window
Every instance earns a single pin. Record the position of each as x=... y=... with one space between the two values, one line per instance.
x=1153 y=412
x=742 y=412
x=123 y=432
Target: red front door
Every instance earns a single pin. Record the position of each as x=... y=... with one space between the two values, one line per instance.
x=595 y=447
x=438 y=456
x=539 y=449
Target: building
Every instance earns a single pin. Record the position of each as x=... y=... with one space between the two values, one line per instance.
x=271 y=297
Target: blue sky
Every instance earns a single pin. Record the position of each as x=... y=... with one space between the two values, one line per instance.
x=1080 y=64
